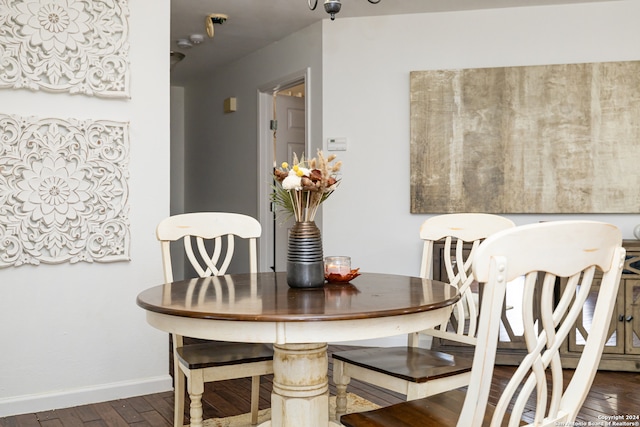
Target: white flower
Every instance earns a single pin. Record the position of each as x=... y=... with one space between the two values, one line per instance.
x=301 y=189
x=54 y=191
x=305 y=171
x=292 y=182
x=55 y=24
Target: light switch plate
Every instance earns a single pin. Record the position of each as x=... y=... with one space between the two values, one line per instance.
x=230 y=105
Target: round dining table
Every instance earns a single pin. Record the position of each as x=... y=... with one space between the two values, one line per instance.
x=299 y=322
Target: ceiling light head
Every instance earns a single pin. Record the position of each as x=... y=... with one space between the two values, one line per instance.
x=214 y=18
x=176 y=57
x=184 y=44
x=332 y=7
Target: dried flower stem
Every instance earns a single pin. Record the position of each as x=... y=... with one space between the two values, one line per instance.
x=307 y=185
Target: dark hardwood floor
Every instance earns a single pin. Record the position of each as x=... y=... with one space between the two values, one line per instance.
x=613 y=393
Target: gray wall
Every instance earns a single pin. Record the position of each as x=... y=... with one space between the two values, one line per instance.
x=222 y=150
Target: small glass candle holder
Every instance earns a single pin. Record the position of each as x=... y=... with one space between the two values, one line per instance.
x=337 y=265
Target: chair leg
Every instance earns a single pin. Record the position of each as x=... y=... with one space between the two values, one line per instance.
x=178 y=396
x=179 y=382
x=195 y=384
x=413 y=339
x=255 y=398
x=341 y=381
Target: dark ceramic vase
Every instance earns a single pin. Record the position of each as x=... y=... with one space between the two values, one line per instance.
x=305 y=265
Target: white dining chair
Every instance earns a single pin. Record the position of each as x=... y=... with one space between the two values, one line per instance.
x=208 y=240
x=542 y=255
x=412 y=370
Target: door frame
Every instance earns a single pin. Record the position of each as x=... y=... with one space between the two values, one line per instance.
x=265 y=155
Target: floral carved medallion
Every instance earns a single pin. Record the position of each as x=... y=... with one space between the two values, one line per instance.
x=75 y=46
x=63 y=191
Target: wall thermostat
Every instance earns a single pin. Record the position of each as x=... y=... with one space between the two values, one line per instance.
x=337 y=144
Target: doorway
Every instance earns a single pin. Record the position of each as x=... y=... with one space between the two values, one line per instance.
x=283 y=131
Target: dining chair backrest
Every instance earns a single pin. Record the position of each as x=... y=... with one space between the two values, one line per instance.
x=461 y=234
x=209 y=240
x=542 y=255
x=209 y=244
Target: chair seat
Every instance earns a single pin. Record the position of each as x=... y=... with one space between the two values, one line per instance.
x=217 y=353
x=439 y=410
x=413 y=364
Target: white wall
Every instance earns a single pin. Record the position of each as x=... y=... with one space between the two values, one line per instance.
x=366 y=99
x=73 y=334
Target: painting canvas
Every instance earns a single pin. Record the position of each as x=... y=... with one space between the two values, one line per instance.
x=532 y=139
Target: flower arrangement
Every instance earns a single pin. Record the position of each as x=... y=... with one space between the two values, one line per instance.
x=302 y=187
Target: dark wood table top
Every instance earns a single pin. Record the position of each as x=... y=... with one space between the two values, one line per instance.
x=267 y=297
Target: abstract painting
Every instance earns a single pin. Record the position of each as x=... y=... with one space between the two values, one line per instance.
x=531 y=139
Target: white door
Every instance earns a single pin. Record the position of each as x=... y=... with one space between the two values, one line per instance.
x=290 y=139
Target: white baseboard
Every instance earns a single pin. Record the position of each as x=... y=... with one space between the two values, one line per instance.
x=27 y=404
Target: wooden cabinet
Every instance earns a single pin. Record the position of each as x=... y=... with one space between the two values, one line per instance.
x=511 y=346
x=622 y=350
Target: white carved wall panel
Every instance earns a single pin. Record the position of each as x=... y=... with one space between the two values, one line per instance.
x=75 y=46
x=63 y=191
